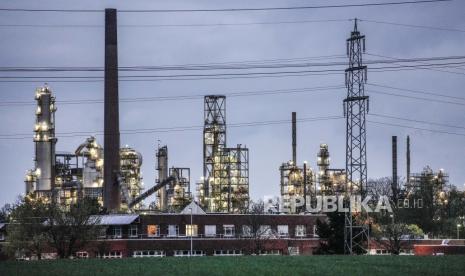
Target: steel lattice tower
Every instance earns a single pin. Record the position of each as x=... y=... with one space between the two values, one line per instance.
x=214 y=134
x=355 y=110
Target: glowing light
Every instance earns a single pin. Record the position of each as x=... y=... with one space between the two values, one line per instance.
x=44 y=126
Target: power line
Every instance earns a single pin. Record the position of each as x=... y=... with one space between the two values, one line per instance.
x=184 y=97
x=251 y=64
x=216 y=76
x=227 y=9
x=414 y=26
x=218 y=63
x=244 y=94
x=416 y=98
x=383 y=68
x=416 y=121
x=283 y=22
x=171 y=129
x=419 y=61
x=417 y=128
x=173 y=79
x=208 y=77
x=234 y=125
x=174 y=25
x=247 y=94
x=415 y=91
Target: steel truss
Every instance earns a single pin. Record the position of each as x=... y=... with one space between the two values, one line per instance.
x=356 y=232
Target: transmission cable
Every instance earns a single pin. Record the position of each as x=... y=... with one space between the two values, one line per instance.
x=226 y=9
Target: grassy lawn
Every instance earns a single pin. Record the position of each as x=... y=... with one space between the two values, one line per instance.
x=247 y=265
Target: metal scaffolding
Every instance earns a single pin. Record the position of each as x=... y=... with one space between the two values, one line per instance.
x=330 y=181
x=355 y=110
x=434 y=184
x=230 y=181
x=176 y=194
x=225 y=184
x=130 y=176
x=214 y=133
x=68 y=179
x=178 y=191
x=295 y=181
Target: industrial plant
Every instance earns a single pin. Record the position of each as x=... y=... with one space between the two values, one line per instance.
x=224 y=186
x=112 y=174
x=214 y=210
x=65 y=177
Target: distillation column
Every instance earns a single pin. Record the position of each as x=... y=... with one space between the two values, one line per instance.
x=45 y=141
x=162 y=168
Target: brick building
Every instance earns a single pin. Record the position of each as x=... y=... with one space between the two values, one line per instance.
x=210 y=234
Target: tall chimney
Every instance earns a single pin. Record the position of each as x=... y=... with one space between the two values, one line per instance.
x=294 y=138
x=394 y=165
x=408 y=159
x=111 y=194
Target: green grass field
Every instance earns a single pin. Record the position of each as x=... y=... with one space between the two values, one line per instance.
x=247 y=265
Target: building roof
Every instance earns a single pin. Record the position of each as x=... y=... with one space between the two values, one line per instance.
x=196 y=210
x=122 y=219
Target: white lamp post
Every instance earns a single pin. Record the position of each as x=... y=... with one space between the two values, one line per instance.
x=192 y=231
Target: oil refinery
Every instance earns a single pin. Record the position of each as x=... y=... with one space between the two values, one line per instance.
x=112 y=173
x=207 y=208
x=224 y=188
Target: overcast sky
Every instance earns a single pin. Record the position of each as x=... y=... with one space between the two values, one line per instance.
x=269 y=145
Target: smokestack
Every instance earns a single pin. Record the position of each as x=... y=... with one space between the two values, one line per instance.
x=394 y=165
x=294 y=138
x=111 y=196
x=408 y=159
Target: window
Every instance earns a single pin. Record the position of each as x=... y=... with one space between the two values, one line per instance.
x=82 y=255
x=228 y=230
x=210 y=230
x=270 y=252
x=382 y=252
x=191 y=230
x=300 y=231
x=153 y=230
x=148 y=253
x=173 y=230
x=117 y=232
x=110 y=255
x=183 y=253
x=133 y=231
x=227 y=253
x=293 y=251
x=103 y=233
x=246 y=231
x=265 y=231
x=283 y=230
